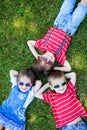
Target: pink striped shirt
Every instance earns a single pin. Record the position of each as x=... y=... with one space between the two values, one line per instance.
x=52 y=41
x=65 y=107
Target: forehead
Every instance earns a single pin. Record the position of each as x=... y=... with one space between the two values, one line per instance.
x=24 y=79
x=56 y=80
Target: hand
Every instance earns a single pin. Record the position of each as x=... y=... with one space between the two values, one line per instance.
x=38 y=83
x=39 y=56
x=13 y=73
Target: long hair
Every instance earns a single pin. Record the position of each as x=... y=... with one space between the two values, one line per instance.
x=37 y=66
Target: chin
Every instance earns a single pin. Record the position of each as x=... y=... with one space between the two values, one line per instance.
x=22 y=90
x=61 y=92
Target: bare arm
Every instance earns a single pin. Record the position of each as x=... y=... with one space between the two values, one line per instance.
x=37 y=86
x=72 y=77
x=41 y=90
x=31 y=44
x=13 y=73
x=65 y=68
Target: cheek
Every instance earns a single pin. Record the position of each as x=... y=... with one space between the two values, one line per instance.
x=20 y=86
x=52 y=60
x=61 y=89
x=23 y=87
x=27 y=88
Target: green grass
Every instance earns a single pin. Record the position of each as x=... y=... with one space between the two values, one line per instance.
x=20 y=21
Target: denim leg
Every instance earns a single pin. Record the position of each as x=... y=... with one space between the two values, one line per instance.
x=76 y=18
x=81 y=126
x=67 y=127
x=65 y=11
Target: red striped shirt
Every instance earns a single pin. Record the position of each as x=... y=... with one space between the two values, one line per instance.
x=52 y=41
x=65 y=107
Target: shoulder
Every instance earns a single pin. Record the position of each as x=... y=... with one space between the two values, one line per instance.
x=31 y=91
x=14 y=81
x=71 y=87
x=48 y=95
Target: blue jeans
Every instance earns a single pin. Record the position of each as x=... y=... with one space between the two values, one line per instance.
x=69 y=18
x=80 y=126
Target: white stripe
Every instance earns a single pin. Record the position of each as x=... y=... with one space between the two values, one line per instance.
x=64 y=106
x=51 y=49
x=62 y=101
x=62 y=32
x=56 y=41
x=62 y=98
x=53 y=44
x=58 y=34
x=72 y=114
x=70 y=120
x=67 y=112
x=57 y=37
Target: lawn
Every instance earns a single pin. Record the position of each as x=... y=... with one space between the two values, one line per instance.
x=21 y=20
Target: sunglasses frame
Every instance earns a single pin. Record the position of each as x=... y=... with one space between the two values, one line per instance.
x=42 y=58
x=58 y=86
x=26 y=84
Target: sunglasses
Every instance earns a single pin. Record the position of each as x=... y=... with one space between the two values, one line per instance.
x=41 y=58
x=58 y=86
x=26 y=85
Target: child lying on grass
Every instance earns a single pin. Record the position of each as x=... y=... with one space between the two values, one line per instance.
x=57 y=39
x=67 y=109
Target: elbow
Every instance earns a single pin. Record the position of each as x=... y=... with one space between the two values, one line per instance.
x=69 y=68
x=73 y=74
x=31 y=42
x=11 y=72
x=28 y=42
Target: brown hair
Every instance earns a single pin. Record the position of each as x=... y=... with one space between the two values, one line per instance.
x=38 y=67
x=29 y=73
x=55 y=74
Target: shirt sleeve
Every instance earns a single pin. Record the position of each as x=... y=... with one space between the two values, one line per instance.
x=61 y=58
x=14 y=81
x=46 y=97
x=72 y=87
x=40 y=45
x=30 y=98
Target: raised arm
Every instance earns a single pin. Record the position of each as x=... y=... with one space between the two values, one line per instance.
x=13 y=73
x=72 y=77
x=65 y=68
x=31 y=44
x=37 y=86
x=38 y=94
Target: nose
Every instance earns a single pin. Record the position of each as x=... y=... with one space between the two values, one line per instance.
x=43 y=63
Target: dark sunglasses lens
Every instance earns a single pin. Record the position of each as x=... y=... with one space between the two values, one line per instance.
x=56 y=86
x=63 y=83
x=21 y=83
x=27 y=85
x=50 y=63
x=44 y=59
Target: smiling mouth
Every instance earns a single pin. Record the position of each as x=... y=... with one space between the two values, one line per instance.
x=24 y=88
x=61 y=90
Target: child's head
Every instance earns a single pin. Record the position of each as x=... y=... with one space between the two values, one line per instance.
x=57 y=81
x=45 y=63
x=26 y=79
